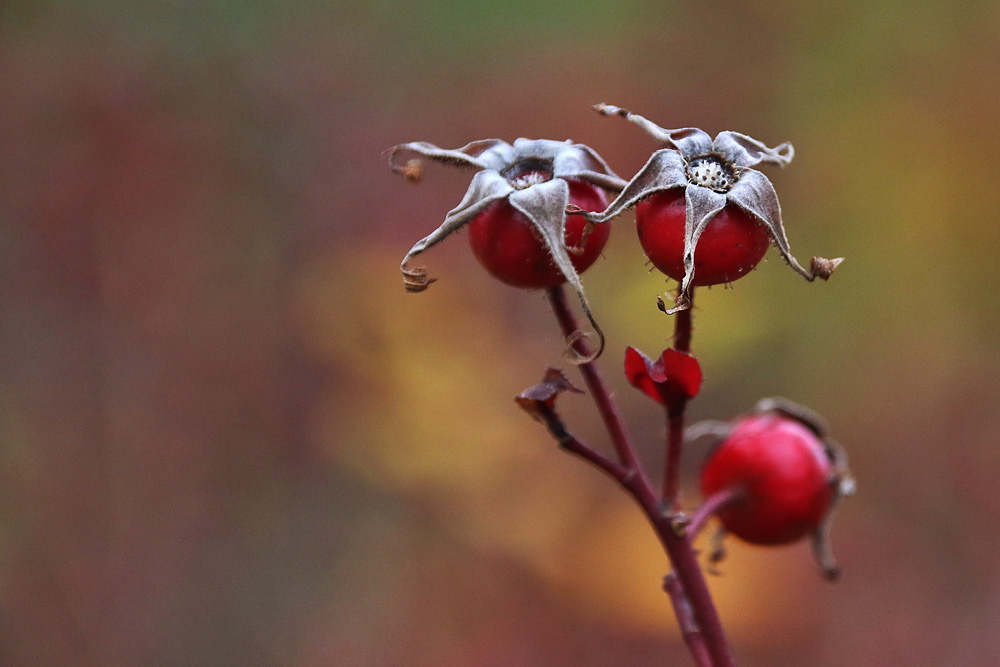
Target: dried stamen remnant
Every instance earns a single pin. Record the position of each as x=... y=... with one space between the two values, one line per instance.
x=711 y=172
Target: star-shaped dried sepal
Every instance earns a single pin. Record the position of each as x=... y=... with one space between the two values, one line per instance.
x=535 y=177
x=714 y=174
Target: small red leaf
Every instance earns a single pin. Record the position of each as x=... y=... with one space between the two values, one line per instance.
x=637 y=366
x=675 y=375
x=682 y=369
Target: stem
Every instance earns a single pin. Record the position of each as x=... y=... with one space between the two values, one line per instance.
x=672 y=463
x=713 y=504
x=678 y=547
x=685 y=619
x=675 y=415
x=690 y=581
x=570 y=443
x=619 y=438
x=682 y=327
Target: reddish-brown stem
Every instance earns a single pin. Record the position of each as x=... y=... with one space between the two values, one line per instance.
x=672 y=461
x=712 y=504
x=682 y=326
x=685 y=619
x=569 y=443
x=619 y=438
x=685 y=562
x=675 y=415
x=709 y=638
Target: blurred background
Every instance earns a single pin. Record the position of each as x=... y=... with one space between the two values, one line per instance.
x=227 y=436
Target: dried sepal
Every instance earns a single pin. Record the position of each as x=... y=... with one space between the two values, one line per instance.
x=755 y=194
x=747 y=152
x=582 y=163
x=486 y=187
x=701 y=205
x=713 y=430
x=717 y=551
x=576 y=357
x=800 y=413
x=664 y=170
x=686 y=140
x=470 y=156
x=412 y=171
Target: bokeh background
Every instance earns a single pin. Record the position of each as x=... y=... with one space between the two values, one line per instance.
x=227 y=436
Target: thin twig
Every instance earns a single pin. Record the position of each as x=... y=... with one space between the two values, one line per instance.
x=711 y=505
x=619 y=438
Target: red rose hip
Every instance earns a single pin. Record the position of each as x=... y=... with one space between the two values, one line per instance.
x=510 y=248
x=782 y=473
x=731 y=245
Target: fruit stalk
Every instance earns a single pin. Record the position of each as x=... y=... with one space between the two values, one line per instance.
x=691 y=591
x=675 y=414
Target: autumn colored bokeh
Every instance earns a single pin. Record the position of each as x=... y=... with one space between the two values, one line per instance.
x=228 y=437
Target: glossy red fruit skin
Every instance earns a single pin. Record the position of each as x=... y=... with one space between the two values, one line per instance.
x=507 y=245
x=731 y=246
x=783 y=471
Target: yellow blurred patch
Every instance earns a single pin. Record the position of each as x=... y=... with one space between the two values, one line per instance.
x=760 y=591
x=422 y=404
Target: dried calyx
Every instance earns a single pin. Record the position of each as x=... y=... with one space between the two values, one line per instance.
x=713 y=173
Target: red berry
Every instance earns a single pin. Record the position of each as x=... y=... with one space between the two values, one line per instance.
x=782 y=471
x=508 y=246
x=731 y=245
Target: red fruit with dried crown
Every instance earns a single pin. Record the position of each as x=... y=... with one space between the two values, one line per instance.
x=730 y=246
x=512 y=250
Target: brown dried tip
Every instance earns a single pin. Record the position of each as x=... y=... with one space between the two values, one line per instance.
x=416 y=280
x=842 y=484
x=576 y=357
x=823 y=268
x=682 y=302
x=808 y=418
x=608 y=110
x=717 y=551
x=412 y=171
